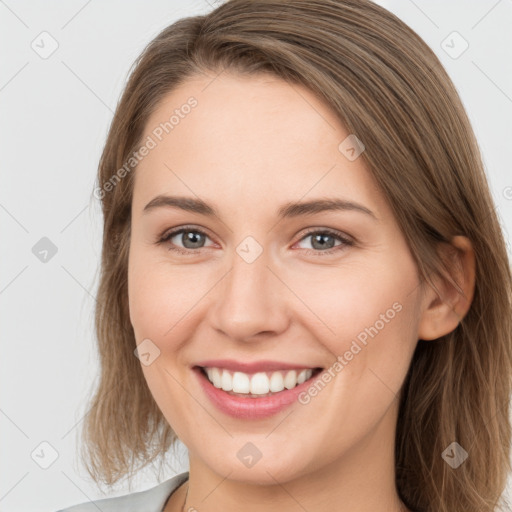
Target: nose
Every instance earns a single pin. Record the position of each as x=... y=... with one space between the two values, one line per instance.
x=250 y=302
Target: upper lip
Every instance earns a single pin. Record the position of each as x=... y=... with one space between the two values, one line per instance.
x=252 y=367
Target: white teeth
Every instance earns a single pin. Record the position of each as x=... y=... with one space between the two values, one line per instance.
x=216 y=378
x=226 y=381
x=276 y=382
x=290 y=381
x=302 y=377
x=241 y=383
x=260 y=383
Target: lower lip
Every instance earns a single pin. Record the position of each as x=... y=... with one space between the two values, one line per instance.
x=250 y=408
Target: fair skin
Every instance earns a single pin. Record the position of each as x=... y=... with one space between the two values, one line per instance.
x=251 y=145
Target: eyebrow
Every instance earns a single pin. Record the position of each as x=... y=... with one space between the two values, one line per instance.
x=288 y=210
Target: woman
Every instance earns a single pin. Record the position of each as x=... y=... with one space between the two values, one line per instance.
x=301 y=250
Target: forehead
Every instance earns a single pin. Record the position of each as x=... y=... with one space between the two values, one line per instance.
x=244 y=136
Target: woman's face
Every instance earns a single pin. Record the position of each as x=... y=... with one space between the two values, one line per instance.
x=313 y=288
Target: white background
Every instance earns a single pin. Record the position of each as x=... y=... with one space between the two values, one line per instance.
x=54 y=115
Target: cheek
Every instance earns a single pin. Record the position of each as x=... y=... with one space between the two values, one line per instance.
x=368 y=315
x=157 y=303
x=144 y=297
x=161 y=298
x=356 y=295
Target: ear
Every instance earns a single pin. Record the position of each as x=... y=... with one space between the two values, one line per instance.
x=442 y=312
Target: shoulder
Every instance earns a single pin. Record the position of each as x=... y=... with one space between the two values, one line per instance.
x=150 y=500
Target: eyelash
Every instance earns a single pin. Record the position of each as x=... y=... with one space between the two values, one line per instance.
x=346 y=242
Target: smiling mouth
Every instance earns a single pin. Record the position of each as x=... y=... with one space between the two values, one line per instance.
x=259 y=384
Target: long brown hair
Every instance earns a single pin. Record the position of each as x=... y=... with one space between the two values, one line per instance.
x=389 y=89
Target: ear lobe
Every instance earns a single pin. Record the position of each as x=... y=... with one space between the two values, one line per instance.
x=444 y=309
